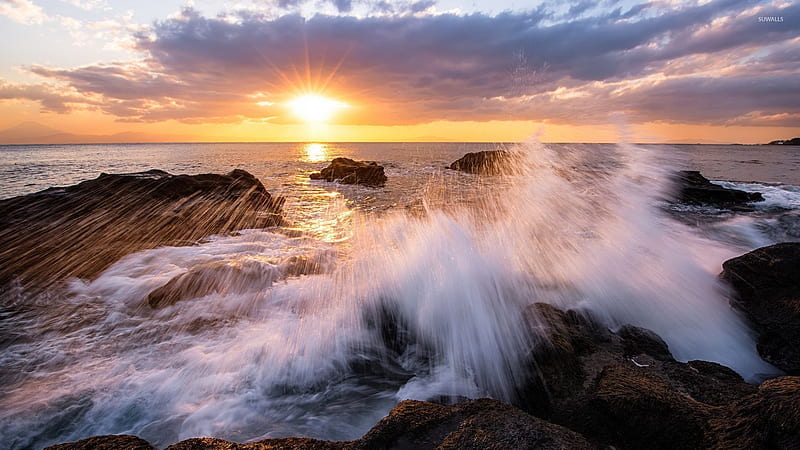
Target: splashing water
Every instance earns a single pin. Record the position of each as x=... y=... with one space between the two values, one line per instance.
x=409 y=306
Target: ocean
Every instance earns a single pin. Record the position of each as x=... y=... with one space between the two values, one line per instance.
x=453 y=257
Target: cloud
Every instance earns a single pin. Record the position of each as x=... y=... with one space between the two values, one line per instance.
x=50 y=97
x=22 y=11
x=697 y=63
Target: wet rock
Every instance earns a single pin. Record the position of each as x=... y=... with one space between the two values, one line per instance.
x=767 y=285
x=491 y=162
x=223 y=278
x=707 y=382
x=348 y=171
x=110 y=442
x=621 y=388
x=231 y=277
x=80 y=230
x=475 y=424
x=632 y=407
x=768 y=419
x=694 y=188
x=268 y=444
x=637 y=341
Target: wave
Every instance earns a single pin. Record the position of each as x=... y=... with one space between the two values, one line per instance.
x=406 y=305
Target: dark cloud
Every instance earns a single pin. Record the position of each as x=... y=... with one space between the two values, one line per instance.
x=414 y=68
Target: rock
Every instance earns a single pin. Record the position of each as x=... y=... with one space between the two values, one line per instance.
x=229 y=277
x=476 y=424
x=491 y=162
x=767 y=285
x=109 y=442
x=694 y=188
x=213 y=278
x=80 y=230
x=348 y=171
x=268 y=444
x=623 y=388
x=632 y=407
x=768 y=419
x=640 y=340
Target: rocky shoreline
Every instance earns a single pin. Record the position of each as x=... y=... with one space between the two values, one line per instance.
x=591 y=387
x=80 y=230
x=587 y=386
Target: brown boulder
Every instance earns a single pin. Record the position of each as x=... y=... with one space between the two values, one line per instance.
x=109 y=442
x=476 y=424
x=490 y=162
x=768 y=419
x=348 y=171
x=621 y=388
x=632 y=407
x=767 y=285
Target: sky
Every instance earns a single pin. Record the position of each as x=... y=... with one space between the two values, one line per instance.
x=576 y=71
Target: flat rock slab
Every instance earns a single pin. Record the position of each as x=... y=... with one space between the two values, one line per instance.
x=694 y=188
x=79 y=230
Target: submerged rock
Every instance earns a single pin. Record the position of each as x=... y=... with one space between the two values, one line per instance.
x=489 y=162
x=79 y=230
x=230 y=277
x=348 y=171
x=767 y=284
x=694 y=188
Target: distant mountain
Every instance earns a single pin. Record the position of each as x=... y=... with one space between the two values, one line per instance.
x=793 y=141
x=26 y=131
x=36 y=133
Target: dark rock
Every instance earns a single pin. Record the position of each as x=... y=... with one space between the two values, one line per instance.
x=229 y=277
x=110 y=442
x=622 y=388
x=476 y=424
x=348 y=171
x=492 y=162
x=632 y=407
x=767 y=285
x=220 y=278
x=707 y=382
x=80 y=230
x=694 y=188
x=768 y=419
x=268 y=444
x=640 y=340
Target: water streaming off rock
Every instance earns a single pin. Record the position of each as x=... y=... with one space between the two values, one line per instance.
x=371 y=296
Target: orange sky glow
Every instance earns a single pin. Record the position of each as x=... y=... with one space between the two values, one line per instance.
x=698 y=73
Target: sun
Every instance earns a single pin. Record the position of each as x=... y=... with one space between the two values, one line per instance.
x=312 y=108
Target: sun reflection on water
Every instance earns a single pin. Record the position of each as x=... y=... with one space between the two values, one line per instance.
x=315 y=152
